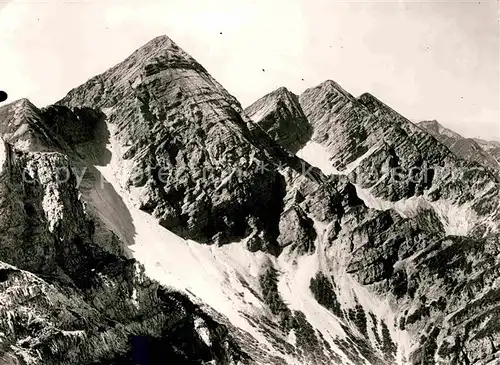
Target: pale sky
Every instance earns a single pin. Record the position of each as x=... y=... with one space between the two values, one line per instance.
x=426 y=59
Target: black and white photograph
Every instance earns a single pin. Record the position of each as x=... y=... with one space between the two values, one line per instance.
x=249 y=182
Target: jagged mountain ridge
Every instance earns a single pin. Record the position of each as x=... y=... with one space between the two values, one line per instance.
x=173 y=91
x=247 y=156
x=321 y=233
x=341 y=123
x=392 y=159
x=467 y=148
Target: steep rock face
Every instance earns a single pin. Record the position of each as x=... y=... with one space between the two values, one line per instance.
x=424 y=270
x=73 y=126
x=69 y=296
x=54 y=128
x=385 y=153
x=157 y=105
x=446 y=135
x=333 y=112
x=297 y=229
x=443 y=288
x=280 y=115
x=184 y=147
x=466 y=148
x=427 y=278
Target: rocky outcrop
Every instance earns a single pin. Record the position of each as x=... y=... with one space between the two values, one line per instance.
x=69 y=296
x=23 y=126
x=280 y=115
x=212 y=174
x=466 y=148
x=54 y=128
x=73 y=126
x=384 y=152
x=434 y=283
x=446 y=135
x=297 y=229
x=215 y=176
x=333 y=113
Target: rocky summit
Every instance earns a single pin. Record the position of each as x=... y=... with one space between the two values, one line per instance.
x=280 y=115
x=147 y=218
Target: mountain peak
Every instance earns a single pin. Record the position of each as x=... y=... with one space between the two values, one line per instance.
x=279 y=113
x=22 y=125
x=152 y=60
x=430 y=126
x=371 y=101
x=21 y=103
x=282 y=93
x=332 y=85
x=282 y=90
x=271 y=99
x=160 y=49
x=168 y=156
x=163 y=38
x=328 y=87
x=466 y=148
x=434 y=127
x=15 y=111
x=158 y=44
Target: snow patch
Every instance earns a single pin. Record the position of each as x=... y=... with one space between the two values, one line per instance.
x=351 y=293
x=201 y=328
x=457 y=219
x=135 y=302
x=107 y=111
x=292 y=338
x=371 y=201
x=293 y=285
x=207 y=271
x=317 y=155
x=257 y=117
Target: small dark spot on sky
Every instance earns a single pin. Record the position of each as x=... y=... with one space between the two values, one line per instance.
x=461 y=97
x=302 y=79
x=3 y=96
x=220 y=32
x=263 y=70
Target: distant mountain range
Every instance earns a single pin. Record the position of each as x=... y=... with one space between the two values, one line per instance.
x=472 y=149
